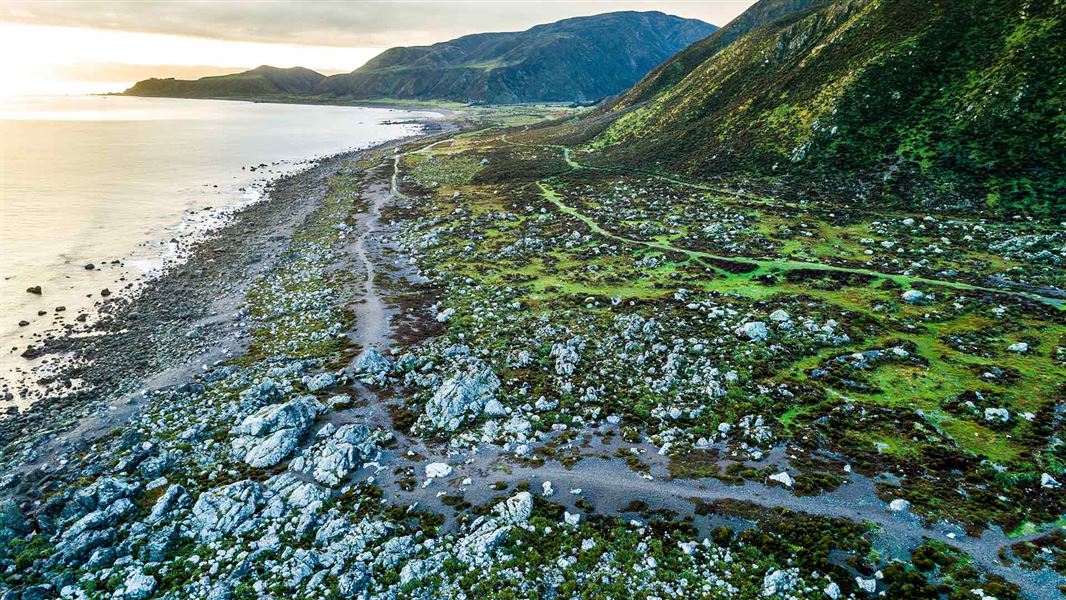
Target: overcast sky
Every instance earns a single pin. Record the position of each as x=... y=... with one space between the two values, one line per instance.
x=364 y=23
x=46 y=45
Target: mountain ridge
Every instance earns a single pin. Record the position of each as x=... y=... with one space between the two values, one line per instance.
x=532 y=65
x=580 y=59
x=264 y=80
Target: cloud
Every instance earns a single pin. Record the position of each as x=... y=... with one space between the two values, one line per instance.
x=366 y=23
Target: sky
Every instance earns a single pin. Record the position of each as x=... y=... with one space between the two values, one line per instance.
x=88 y=46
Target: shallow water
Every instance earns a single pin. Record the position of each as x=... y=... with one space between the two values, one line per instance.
x=101 y=179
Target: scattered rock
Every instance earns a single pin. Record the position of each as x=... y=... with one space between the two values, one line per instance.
x=137 y=586
x=437 y=470
x=320 y=382
x=779 y=581
x=914 y=297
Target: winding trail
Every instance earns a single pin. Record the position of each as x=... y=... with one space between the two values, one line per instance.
x=372 y=315
x=764 y=263
x=610 y=484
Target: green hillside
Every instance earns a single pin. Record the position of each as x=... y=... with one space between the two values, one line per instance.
x=951 y=104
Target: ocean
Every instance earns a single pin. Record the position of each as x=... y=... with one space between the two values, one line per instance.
x=109 y=181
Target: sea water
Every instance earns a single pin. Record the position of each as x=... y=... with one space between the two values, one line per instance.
x=97 y=179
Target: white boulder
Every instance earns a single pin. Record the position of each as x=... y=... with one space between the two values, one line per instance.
x=1000 y=415
x=437 y=470
x=780 y=316
x=1019 y=347
x=914 y=297
x=755 y=331
x=783 y=478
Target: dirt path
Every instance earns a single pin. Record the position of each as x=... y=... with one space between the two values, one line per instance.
x=1051 y=297
x=371 y=314
x=611 y=486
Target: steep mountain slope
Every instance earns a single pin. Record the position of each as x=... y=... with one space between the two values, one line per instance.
x=579 y=59
x=954 y=103
x=681 y=64
x=259 y=82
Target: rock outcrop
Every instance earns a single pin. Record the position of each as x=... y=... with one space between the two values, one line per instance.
x=269 y=435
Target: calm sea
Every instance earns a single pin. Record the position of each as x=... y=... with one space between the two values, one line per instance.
x=98 y=179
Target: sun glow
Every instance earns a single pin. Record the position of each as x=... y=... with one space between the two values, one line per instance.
x=40 y=59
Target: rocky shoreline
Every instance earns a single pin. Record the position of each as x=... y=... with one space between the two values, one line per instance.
x=179 y=323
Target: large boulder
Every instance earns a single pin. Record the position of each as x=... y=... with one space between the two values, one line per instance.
x=97 y=496
x=12 y=522
x=516 y=509
x=161 y=543
x=755 y=331
x=331 y=458
x=93 y=530
x=461 y=397
x=371 y=367
x=290 y=492
x=222 y=510
x=174 y=498
x=137 y=586
x=780 y=316
x=267 y=436
x=319 y=382
x=488 y=532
